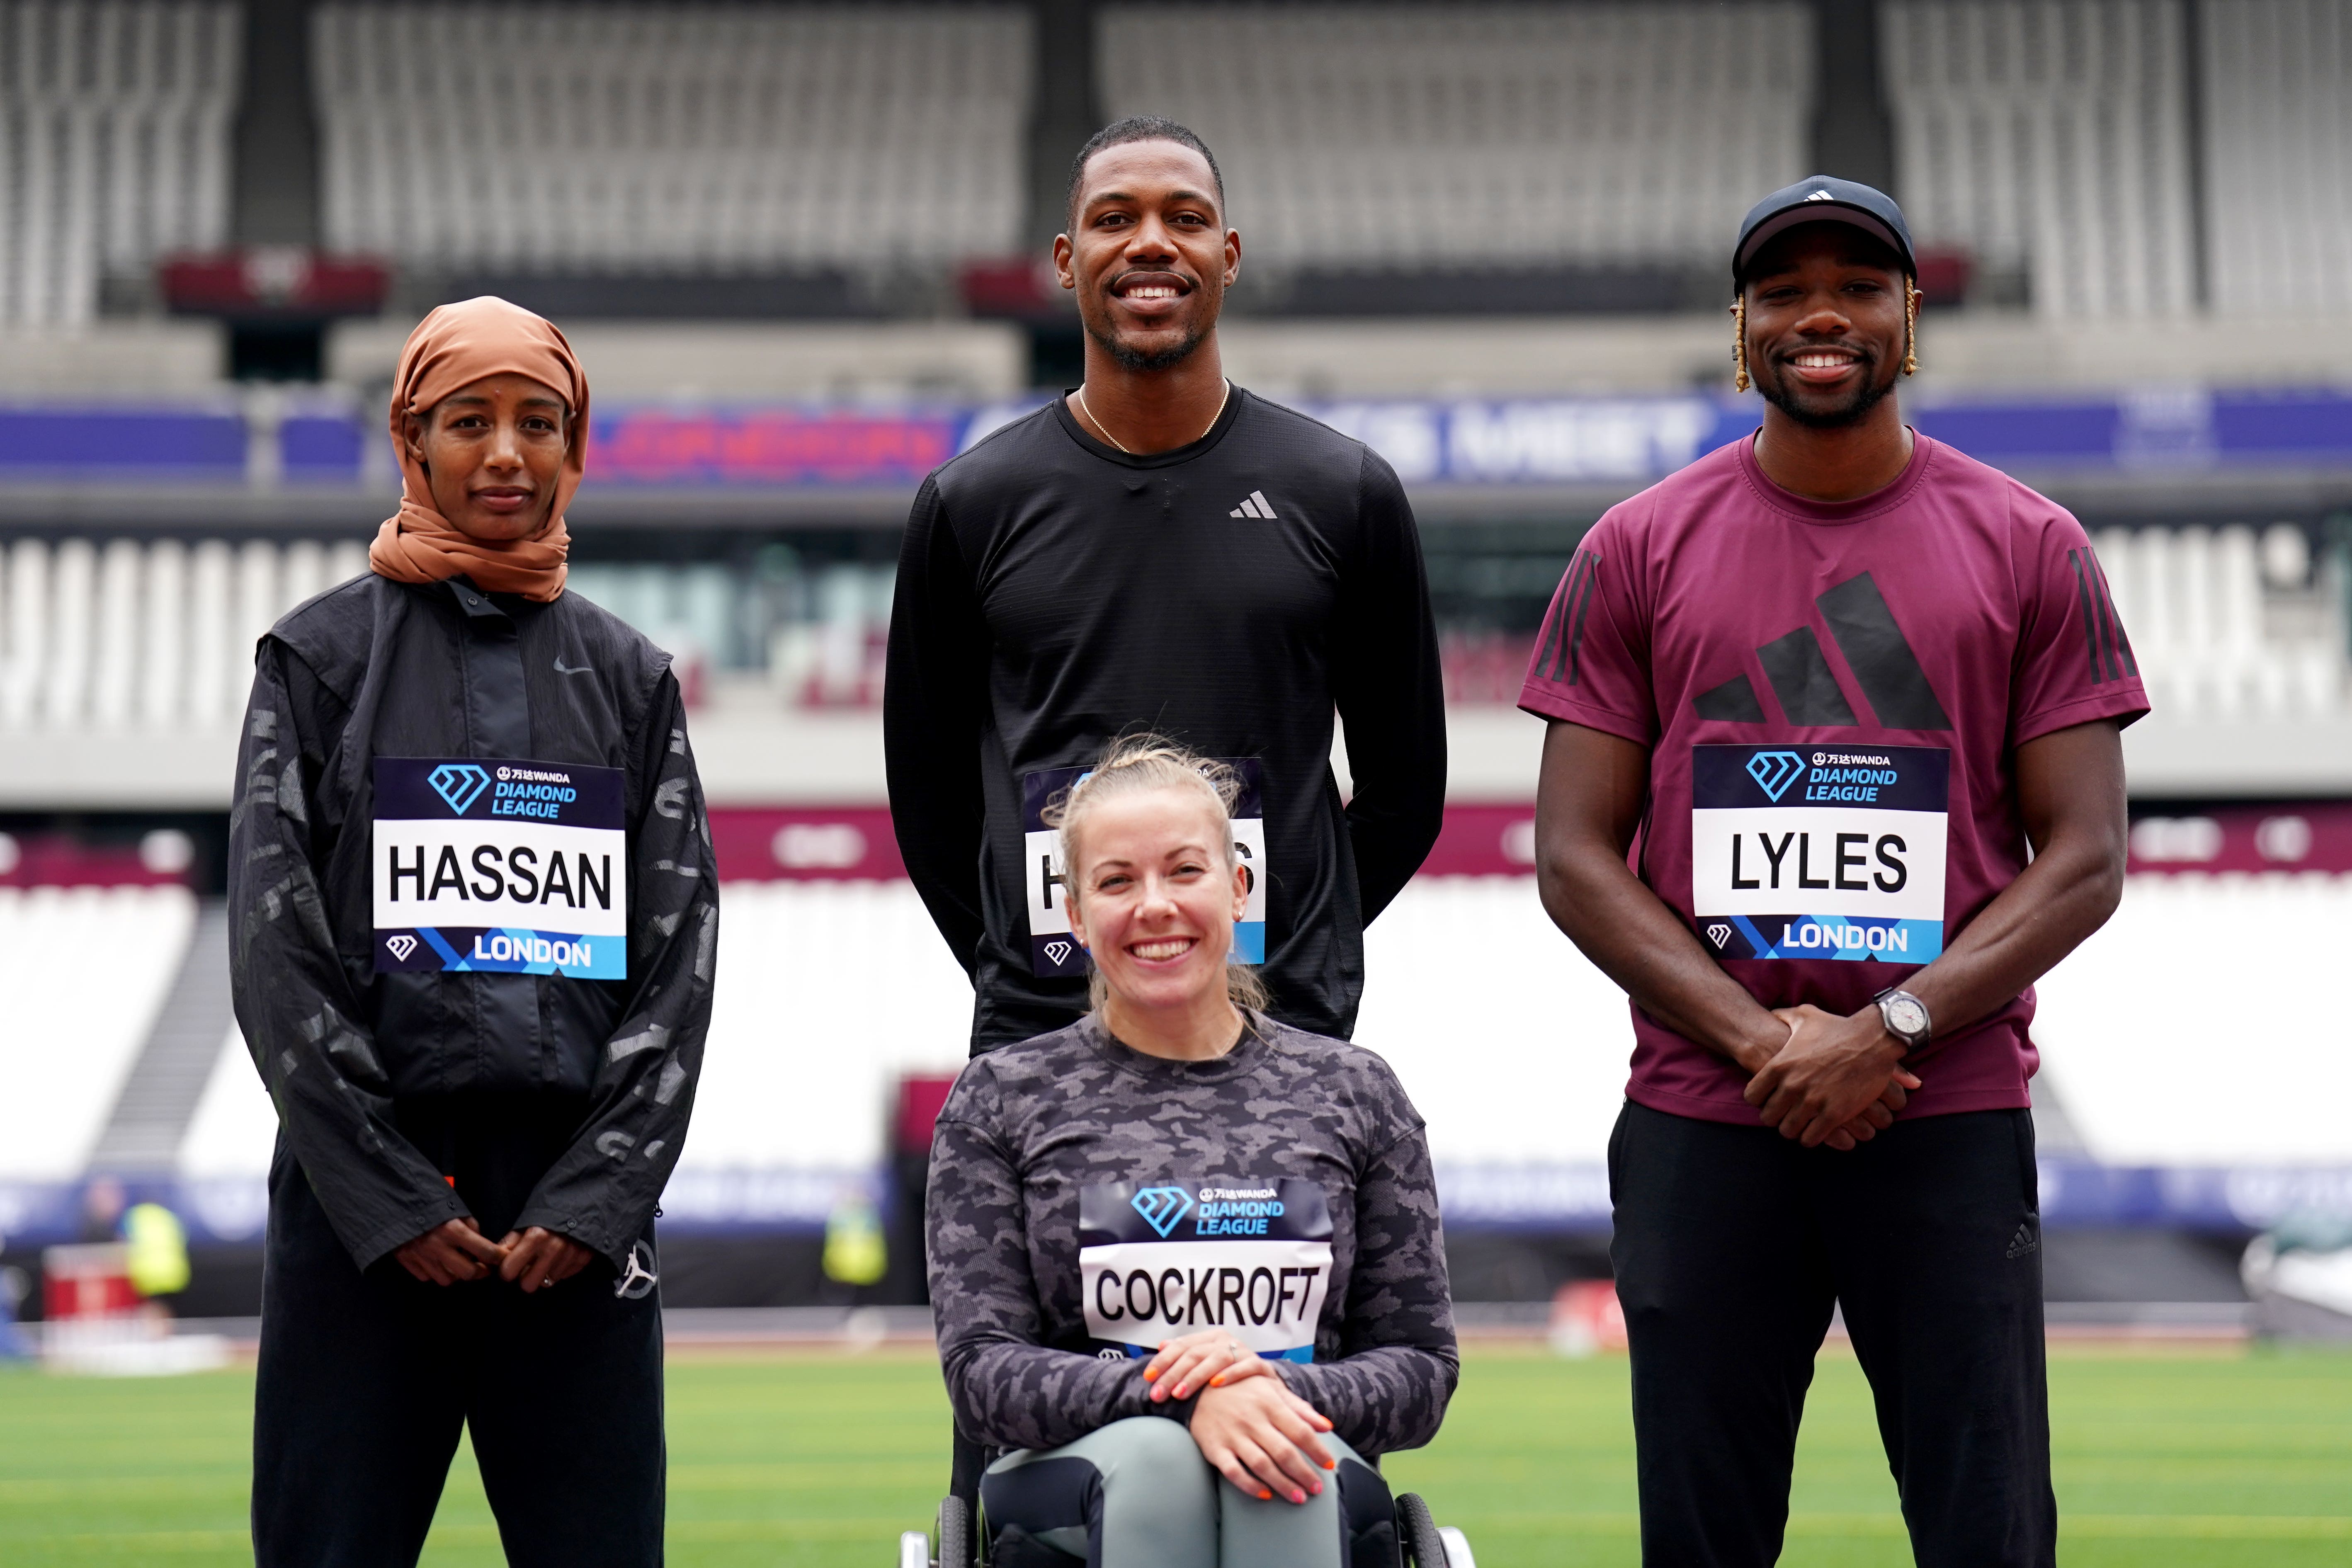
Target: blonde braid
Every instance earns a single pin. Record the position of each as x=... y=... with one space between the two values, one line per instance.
x=1910 y=327
x=1740 y=339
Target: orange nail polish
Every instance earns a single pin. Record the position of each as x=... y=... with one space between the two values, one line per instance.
x=1265 y=1497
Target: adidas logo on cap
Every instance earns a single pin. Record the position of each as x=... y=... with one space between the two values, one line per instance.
x=1255 y=506
x=1820 y=196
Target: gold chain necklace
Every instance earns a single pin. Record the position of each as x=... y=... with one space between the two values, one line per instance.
x=1081 y=396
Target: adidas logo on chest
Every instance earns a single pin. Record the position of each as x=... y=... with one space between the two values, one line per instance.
x=1253 y=505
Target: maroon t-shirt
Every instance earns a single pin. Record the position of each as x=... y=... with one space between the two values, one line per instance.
x=1833 y=695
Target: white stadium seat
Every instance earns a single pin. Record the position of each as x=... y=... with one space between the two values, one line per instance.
x=85 y=971
x=1512 y=134
x=2147 y=1024
x=124 y=635
x=131 y=636
x=114 y=128
x=2200 y=614
x=2050 y=135
x=686 y=139
x=1513 y=1049
x=829 y=991
x=234 y=1126
x=2278 y=155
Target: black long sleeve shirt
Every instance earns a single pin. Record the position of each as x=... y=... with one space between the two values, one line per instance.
x=380 y=668
x=1053 y=593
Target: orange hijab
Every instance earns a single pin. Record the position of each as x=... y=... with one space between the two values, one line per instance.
x=455 y=346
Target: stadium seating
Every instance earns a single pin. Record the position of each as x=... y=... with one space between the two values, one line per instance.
x=674 y=140
x=2225 y=624
x=808 y=1094
x=2201 y=1067
x=2201 y=620
x=2050 y=135
x=145 y=635
x=127 y=634
x=131 y=636
x=114 y=132
x=1508 y=133
x=2278 y=183
x=85 y=971
x=1513 y=1047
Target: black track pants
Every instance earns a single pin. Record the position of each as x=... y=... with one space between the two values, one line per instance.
x=1732 y=1247
x=366 y=1379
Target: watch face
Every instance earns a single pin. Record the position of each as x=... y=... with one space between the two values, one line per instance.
x=1905 y=1014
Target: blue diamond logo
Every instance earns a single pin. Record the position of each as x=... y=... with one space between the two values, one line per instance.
x=1774 y=772
x=459 y=783
x=1161 y=1207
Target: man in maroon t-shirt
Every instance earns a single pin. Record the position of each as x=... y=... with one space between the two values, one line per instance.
x=1811 y=700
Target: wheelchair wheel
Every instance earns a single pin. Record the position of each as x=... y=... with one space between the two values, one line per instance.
x=955 y=1534
x=1423 y=1547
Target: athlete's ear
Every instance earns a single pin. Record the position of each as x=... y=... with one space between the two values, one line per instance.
x=1062 y=253
x=1241 y=886
x=1233 y=256
x=411 y=432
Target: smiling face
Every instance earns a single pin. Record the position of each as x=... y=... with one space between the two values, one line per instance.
x=1148 y=252
x=1826 y=323
x=1154 y=893
x=492 y=451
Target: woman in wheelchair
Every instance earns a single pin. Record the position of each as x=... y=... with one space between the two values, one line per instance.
x=1186 y=1260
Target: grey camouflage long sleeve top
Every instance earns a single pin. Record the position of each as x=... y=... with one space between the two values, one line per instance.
x=371 y=668
x=1030 y=1127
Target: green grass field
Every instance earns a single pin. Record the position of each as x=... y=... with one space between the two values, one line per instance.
x=811 y=1459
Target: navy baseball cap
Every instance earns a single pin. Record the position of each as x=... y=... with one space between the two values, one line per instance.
x=1821 y=199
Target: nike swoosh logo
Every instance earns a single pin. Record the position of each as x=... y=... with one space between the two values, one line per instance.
x=564 y=668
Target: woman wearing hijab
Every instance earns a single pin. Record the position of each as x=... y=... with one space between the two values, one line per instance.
x=474 y=916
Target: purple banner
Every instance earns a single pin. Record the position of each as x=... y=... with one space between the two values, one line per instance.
x=1504 y=442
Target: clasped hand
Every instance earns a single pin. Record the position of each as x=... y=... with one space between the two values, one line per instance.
x=1245 y=1421
x=457 y=1252
x=1834 y=1080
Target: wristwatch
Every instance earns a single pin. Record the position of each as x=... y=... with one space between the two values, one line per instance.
x=1906 y=1018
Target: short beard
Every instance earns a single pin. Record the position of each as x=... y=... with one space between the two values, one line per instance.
x=1853 y=411
x=1147 y=362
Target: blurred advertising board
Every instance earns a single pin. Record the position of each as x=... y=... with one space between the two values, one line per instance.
x=1556 y=1198
x=322 y=439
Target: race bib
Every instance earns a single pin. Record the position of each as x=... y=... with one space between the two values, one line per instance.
x=1053 y=950
x=1819 y=851
x=504 y=867
x=1250 y=1257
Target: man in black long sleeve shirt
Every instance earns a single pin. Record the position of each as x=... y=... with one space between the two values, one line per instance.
x=1161 y=549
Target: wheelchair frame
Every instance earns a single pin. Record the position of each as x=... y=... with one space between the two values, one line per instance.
x=958 y=1541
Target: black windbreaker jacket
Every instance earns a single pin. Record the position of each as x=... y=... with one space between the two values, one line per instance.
x=375 y=669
